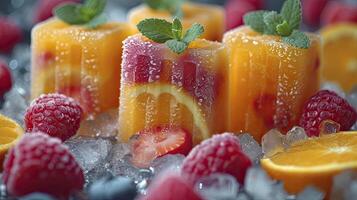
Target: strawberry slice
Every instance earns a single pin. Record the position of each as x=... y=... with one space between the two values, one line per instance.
x=151 y=143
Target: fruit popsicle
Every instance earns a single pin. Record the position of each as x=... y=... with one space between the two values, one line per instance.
x=79 y=62
x=269 y=80
x=339 y=55
x=210 y=16
x=160 y=87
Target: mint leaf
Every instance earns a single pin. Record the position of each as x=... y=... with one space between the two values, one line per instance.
x=177 y=29
x=291 y=11
x=162 y=31
x=97 y=21
x=255 y=20
x=271 y=20
x=283 y=29
x=298 y=39
x=70 y=13
x=194 y=32
x=176 y=46
x=157 y=30
x=88 y=14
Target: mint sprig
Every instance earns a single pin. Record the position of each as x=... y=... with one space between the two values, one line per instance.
x=162 y=31
x=172 y=6
x=285 y=24
x=89 y=14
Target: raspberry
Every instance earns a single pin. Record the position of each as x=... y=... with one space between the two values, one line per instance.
x=45 y=7
x=5 y=77
x=312 y=11
x=170 y=186
x=219 y=154
x=327 y=105
x=336 y=11
x=10 y=35
x=39 y=163
x=55 y=114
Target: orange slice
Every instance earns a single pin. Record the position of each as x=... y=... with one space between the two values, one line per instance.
x=339 y=57
x=149 y=105
x=10 y=133
x=314 y=161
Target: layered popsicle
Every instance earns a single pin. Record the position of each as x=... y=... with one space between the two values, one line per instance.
x=269 y=80
x=162 y=88
x=79 y=62
x=210 y=16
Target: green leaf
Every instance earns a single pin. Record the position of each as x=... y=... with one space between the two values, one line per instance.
x=291 y=12
x=194 y=32
x=271 y=20
x=177 y=46
x=283 y=29
x=298 y=39
x=157 y=30
x=88 y=14
x=70 y=13
x=255 y=20
x=97 y=21
x=177 y=29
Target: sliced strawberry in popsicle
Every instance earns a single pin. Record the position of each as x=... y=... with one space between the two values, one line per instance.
x=151 y=143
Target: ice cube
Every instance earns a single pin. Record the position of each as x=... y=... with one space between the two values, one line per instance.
x=310 y=193
x=328 y=127
x=342 y=185
x=104 y=125
x=294 y=135
x=272 y=142
x=217 y=187
x=260 y=187
x=333 y=87
x=167 y=162
x=89 y=152
x=243 y=196
x=250 y=147
x=124 y=167
x=15 y=105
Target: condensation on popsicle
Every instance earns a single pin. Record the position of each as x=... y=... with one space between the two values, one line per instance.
x=79 y=62
x=160 y=87
x=269 y=80
x=210 y=16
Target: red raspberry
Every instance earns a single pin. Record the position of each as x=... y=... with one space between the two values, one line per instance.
x=171 y=186
x=235 y=10
x=45 y=7
x=55 y=114
x=336 y=11
x=39 y=163
x=312 y=10
x=221 y=153
x=10 y=35
x=327 y=105
x=5 y=77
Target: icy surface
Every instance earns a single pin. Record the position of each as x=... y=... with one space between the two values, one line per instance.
x=310 y=193
x=218 y=187
x=89 y=152
x=167 y=162
x=344 y=185
x=352 y=97
x=250 y=147
x=259 y=186
x=272 y=142
x=104 y=125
